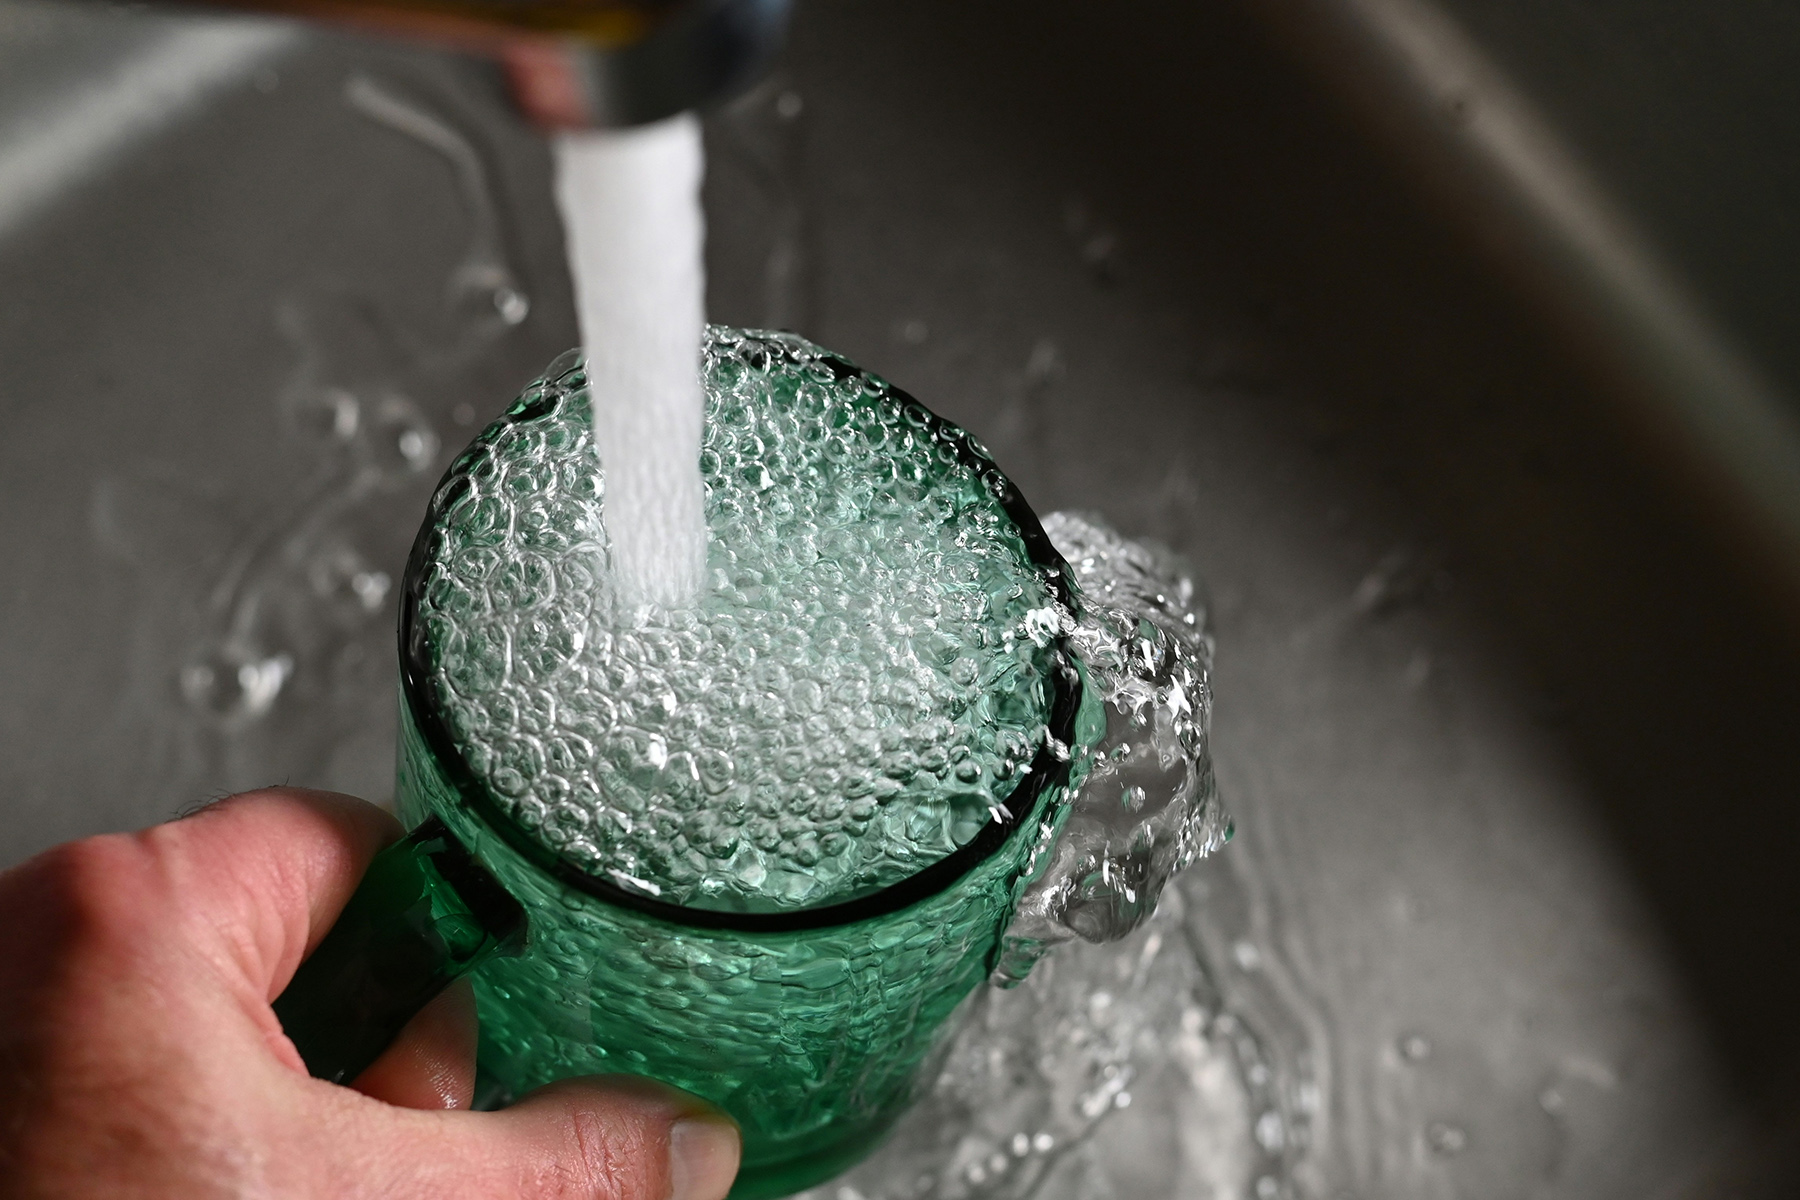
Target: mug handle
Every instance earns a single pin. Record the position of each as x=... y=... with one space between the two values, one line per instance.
x=425 y=914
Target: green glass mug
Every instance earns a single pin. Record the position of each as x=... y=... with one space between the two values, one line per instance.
x=813 y=1027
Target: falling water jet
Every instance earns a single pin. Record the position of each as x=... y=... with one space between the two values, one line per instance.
x=630 y=204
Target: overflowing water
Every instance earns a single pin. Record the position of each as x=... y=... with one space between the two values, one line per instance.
x=630 y=202
x=1147 y=805
x=1159 y=1019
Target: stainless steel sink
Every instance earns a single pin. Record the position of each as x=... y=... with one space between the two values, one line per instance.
x=1476 y=652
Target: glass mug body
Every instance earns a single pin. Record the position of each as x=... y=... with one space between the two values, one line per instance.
x=812 y=1028
x=812 y=1039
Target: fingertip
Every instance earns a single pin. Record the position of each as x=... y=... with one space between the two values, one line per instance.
x=634 y=1138
x=431 y=1064
x=704 y=1153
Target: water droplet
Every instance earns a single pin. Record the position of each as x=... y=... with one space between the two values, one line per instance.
x=1415 y=1047
x=1271 y=1132
x=1418 y=670
x=1446 y=1139
x=331 y=414
x=400 y=440
x=234 y=685
x=512 y=305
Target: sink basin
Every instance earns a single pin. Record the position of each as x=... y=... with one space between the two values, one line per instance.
x=1477 y=654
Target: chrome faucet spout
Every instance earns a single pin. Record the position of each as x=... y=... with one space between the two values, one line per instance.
x=585 y=64
x=699 y=53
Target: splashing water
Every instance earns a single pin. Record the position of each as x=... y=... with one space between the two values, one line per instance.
x=630 y=203
x=1154 y=1053
x=1147 y=805
x=1110 y=1072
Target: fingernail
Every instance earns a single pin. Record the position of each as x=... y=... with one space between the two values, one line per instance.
x=703 y=1159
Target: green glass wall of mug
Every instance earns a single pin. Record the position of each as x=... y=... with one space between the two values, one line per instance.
x=811 y=1028
x=812 y=1039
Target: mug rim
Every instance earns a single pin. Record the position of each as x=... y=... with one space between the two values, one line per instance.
x=1046 y=772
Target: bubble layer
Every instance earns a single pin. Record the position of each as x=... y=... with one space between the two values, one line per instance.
x=861 y=687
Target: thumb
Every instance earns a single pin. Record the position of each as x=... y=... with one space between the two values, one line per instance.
x=614 y=1137
x=625 y=1138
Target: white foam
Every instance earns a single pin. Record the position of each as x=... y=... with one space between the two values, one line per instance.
x=630 y=204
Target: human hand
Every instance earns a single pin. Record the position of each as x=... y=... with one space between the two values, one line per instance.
x=139 y=1056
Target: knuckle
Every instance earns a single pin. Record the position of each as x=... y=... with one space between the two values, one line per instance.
x=78 y=917
x=93 y=892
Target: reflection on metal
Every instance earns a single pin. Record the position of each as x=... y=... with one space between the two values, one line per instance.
x=1709 y=400
x=74 y=135
x=483 y=286
x=287 y=657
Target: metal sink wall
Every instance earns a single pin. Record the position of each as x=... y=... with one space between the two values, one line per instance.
x=260 y=283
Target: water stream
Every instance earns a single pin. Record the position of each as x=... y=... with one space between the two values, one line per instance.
x=630 y=202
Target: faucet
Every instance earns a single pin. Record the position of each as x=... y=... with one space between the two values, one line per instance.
x=586 y=64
